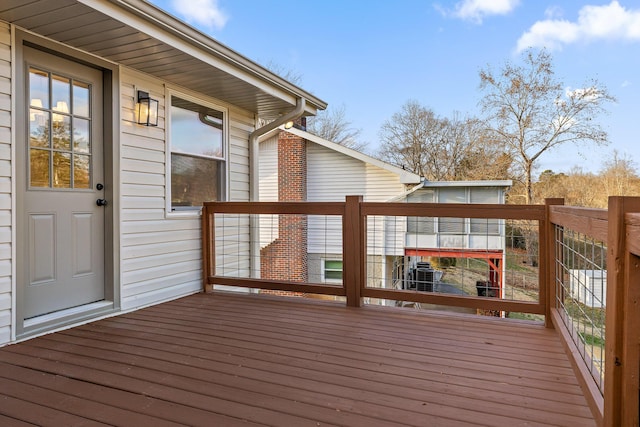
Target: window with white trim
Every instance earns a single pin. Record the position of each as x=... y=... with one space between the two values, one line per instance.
x=485 y=195
x=451 y=225
x=332 y=270
x=421 y=225
x=198 y=154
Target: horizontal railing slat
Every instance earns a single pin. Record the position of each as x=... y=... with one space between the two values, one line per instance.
x=633 y=230
x=455 y=300
x=308 y=208
x=592 y=222
x=310 y=288
x=525 y=212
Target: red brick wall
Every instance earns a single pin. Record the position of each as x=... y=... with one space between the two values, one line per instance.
x=286 y=257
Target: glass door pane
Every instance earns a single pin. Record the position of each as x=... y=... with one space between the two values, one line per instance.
x=59 y=131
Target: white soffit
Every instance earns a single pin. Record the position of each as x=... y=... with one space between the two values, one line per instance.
x=141 y=36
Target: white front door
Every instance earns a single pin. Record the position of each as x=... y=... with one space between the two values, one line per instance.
x=60 y=243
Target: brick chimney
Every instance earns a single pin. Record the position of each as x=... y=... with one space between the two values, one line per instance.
x=286 y=257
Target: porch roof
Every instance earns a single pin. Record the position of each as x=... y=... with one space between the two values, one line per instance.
x=139 y=35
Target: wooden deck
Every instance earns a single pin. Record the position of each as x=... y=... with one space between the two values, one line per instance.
x=225 y=360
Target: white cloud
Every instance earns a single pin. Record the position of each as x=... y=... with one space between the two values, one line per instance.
x=203 y=12
x=476 y=10
x=586 y=94
x=608 y=22
x=553 y=12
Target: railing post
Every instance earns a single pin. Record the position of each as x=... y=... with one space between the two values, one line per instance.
x=619 y=286
x=353 y=247
x=208 y=248
x=631 y=343
x=548 y=254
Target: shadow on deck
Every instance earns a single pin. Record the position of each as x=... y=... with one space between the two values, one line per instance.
x=227 y=359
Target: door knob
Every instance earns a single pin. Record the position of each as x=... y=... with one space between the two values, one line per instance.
x=101 y=202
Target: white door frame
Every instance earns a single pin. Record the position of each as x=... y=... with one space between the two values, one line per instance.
x=111 y=155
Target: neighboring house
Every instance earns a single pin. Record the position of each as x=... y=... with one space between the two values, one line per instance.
x=298 y=166
x=477 y=238
x=589 y=287
x=98 y=212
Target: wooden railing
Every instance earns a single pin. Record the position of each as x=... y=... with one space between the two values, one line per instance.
x=619 y=227
x=519 y=212
x=619 y=230
x=354 y=215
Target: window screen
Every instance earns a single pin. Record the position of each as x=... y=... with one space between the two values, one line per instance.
x=485 y=225
x=197 y=154
x=421 y=225
x=451 y=225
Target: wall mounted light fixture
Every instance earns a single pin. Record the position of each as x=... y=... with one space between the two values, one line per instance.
x=147 y=109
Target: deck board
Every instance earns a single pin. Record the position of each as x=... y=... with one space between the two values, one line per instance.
x=224 y=359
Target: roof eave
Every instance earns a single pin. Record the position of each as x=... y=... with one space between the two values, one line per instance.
x=156 y=17
x=405 y=176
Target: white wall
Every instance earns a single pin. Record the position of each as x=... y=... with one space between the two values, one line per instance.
x=161 y=257
x=331 y=177
x=268 y=188
x=5 y=184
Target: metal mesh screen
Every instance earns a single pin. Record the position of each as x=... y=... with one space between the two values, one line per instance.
x=581 y=287
x=486 y=257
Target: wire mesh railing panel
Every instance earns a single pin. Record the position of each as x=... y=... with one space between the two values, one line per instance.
x=581 y=287
x=287 y=247
x=485 y=257
x=232 y=245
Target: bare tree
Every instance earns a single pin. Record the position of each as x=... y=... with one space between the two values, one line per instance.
x=408 y=137
x=479 y=156
x=433 y=147
x=446 y=158
x=531 y=112
x=288 y=74
x=620 y=176
x=332 y=125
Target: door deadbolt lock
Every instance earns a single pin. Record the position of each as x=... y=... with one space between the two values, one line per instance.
x=101 y=202
x=99 y=186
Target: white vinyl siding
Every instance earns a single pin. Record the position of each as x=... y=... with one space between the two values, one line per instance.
x=241 y=124
x=269 y=170
x=161 y=256
x=5 y=184
x=268 y=188
x=331 y=176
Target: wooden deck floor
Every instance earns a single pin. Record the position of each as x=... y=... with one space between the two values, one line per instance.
x=226 y=360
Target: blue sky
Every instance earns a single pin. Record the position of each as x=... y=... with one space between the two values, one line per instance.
x=372 y=56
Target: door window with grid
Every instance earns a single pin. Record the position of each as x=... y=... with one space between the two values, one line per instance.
x=59 y=131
